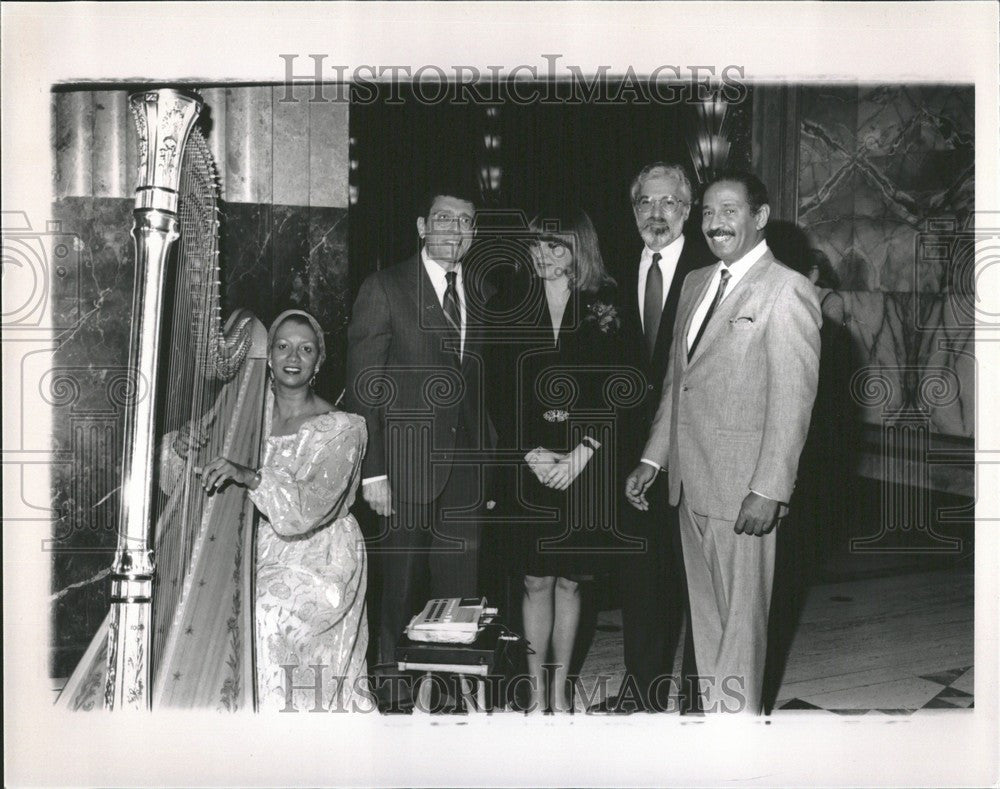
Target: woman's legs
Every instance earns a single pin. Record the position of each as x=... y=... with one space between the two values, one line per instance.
x=565 y=624
x=538 y=609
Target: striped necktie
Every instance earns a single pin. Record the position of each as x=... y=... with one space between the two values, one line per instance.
x=451 y=309
x=723 y=281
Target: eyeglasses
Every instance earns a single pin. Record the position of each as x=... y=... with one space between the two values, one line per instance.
x=670 y=205
x=552 y=243
x=445 y=219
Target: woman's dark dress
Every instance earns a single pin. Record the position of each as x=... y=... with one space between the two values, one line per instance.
x=550 y=393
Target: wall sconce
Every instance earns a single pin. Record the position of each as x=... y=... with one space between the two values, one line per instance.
x=707 y=135
x=352 y=171
x=489 y=156
x=490 y=178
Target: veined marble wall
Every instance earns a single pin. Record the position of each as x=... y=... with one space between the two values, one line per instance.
x=880 y=180
x=886 y=191
x=283 y=243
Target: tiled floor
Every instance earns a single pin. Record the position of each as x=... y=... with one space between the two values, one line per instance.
x=874 y=646
x=893 y=645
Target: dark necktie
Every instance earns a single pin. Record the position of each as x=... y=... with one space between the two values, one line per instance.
x=652 y=305
x=723 y=281
x=451 y=310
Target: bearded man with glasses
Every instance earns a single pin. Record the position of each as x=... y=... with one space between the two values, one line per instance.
x=653 y=589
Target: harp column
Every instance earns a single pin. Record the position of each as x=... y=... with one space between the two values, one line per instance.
x=164 y=119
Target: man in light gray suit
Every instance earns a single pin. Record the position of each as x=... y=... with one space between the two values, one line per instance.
x=732 y=421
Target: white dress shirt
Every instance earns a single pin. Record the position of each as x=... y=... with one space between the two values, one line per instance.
x=737 y=270
x=669 y=256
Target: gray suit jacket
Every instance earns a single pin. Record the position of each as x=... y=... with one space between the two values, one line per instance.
x=735 y=417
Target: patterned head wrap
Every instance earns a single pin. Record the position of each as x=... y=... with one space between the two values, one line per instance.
x=302 y=314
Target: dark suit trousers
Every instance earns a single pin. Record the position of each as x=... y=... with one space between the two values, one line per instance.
x=428 y=550
x=654 y=597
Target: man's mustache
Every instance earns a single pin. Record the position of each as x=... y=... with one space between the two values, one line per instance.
x=654 y=224
x=718 y=232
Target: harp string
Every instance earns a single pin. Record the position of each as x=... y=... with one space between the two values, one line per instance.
x=195 y=396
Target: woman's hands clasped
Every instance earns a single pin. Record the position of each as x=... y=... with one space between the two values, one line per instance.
x=558 y=471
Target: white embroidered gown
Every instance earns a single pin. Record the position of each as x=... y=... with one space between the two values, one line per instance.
x=311 y=570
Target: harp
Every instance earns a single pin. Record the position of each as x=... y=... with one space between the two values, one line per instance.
x=179 y=630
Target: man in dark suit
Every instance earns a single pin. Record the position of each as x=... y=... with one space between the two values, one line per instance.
x=414 y=371
x=654 y=595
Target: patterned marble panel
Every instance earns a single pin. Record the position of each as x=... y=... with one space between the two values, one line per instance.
x=822 y=175
x=329 y=290
x=827 y=144
x=834 y=109
x=831 y=229
x=279 y=257
x=826 y=203
x=73 y=143
x=290 y=259
x=885 y=241
x=902 y=155
x=930 y=368
x=93 y=306
x=897 y=120
x=93 y=311
x=328 y=144
x=291 y=150
x=246 y=257
x=884 y=172
x=110 y=159
x=84 y=390
x=248 y=144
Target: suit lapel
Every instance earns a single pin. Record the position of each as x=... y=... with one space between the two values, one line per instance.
x=730 y=305
x=630 y=299
x=664 y=336
x=569 y=316
x=424 y=297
